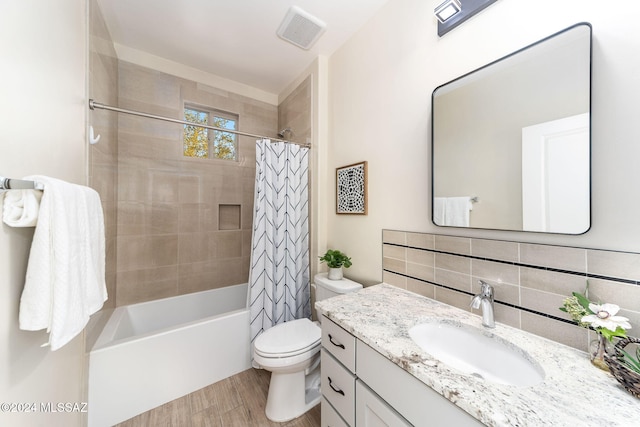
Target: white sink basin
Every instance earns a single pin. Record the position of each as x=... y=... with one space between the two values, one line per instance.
x=478 y=353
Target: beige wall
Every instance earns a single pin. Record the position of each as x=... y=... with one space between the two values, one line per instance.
x=42 y=131
x=380 y=87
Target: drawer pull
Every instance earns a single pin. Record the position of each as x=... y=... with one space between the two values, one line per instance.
x=335 y=343
x=337 y=390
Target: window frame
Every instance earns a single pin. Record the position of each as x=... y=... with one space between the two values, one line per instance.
x=212 y=114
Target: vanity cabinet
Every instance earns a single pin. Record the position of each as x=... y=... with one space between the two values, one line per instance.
x=361 y=387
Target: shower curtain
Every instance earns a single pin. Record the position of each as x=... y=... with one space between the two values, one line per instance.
x=279 y=275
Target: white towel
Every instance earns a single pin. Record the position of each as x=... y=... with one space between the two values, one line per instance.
x=452 y=211
x=20 y=208
x=65 y=280
x=439 y=204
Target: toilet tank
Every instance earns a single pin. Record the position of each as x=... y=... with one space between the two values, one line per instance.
x=326 y=288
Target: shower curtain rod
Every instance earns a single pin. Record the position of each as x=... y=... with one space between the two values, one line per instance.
x=93 y=105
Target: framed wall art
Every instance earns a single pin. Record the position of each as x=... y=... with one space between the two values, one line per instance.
x=351 y=189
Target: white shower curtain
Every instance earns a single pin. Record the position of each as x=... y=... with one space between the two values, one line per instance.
x=279 y=275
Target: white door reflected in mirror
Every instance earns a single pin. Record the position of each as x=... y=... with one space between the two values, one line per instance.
x=555 y=176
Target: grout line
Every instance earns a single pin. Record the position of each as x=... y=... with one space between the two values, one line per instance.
x=507 y=304
x=519 y=264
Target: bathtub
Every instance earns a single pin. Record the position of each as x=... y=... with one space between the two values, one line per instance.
x=154 y=352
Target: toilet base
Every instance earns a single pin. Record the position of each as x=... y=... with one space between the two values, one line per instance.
x=292 y=394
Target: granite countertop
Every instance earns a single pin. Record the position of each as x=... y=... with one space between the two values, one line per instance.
x=573 y=393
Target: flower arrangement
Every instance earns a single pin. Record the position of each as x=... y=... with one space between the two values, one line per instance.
x=601 y=317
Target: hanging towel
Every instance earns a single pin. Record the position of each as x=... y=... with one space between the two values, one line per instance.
x=439 y=204
x=65 y=280
x=452 y=211
x=20 y=208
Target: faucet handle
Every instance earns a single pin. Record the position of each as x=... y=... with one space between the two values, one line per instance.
x=486 y=290
x=475 y=302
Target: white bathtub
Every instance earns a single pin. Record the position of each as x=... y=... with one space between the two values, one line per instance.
x=154 y=352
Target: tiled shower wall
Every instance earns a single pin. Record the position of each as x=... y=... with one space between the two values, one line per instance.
x=184 y=224
x=295 y=113
x=530 y=280
x=103 y=156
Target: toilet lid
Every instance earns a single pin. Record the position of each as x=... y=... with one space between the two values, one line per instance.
x=289 y=337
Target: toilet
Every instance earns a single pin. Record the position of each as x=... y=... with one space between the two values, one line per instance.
x=291 y=352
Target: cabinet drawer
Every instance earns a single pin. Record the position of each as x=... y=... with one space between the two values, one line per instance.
x=418 y=403
x=338 y=387
x=330 y=417
x=340 y=343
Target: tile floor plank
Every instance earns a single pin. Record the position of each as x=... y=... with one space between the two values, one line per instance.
x=238 y=401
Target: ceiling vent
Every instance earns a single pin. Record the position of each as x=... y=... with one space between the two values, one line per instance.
x=301 y=28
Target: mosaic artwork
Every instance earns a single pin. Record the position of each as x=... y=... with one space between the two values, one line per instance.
x=351 y=189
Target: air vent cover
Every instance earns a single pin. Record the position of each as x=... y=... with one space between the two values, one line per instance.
x=301 y=28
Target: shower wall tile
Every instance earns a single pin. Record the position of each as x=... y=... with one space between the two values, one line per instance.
x=627 y=294
x=421 y=288
x=394 y=237
x=453 y=298
x=572 y=259
x=228 y=244
x=507 y=315
x=564 y=333
x=613 y=264
x=103 y=157
x=294 y=112
x=451 y=279
x=460 y=245
x=394 y=279
x=420 y=257
x=146 y=284
x=399 y=266
x=453 y=263
x=168 y=205
x=495 y=272
x=389 y=251
x=420 y=240
x=495 y=249
x=531 y=281
x=543 y=302
x=421 y=271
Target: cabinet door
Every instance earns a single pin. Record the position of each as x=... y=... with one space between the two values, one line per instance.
x=371 y=411
x=330 y=417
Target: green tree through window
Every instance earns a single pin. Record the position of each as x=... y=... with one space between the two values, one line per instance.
x=206 y=143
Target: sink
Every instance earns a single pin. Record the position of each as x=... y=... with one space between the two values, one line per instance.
x=477 y=352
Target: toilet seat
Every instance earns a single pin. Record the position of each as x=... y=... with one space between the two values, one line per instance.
x=288 y=339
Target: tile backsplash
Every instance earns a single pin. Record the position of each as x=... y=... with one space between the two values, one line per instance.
x=530 y=280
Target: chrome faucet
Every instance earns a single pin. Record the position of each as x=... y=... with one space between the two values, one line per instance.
x=484 y=300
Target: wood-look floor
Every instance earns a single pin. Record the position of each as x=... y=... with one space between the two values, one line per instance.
x=238 y=401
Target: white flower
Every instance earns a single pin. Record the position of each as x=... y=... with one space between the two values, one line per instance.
x=605 y=317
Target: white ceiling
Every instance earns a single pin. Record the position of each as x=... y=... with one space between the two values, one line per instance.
x=233 y=39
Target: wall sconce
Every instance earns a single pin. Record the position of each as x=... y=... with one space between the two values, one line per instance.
x=452 y=13
x=447 y=9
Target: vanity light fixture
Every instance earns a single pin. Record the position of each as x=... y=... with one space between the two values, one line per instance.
x=447 y=9
x=452 y=13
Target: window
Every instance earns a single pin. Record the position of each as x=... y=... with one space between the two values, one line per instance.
x=207 y=143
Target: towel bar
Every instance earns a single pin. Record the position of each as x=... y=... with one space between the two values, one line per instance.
x=19 y=184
